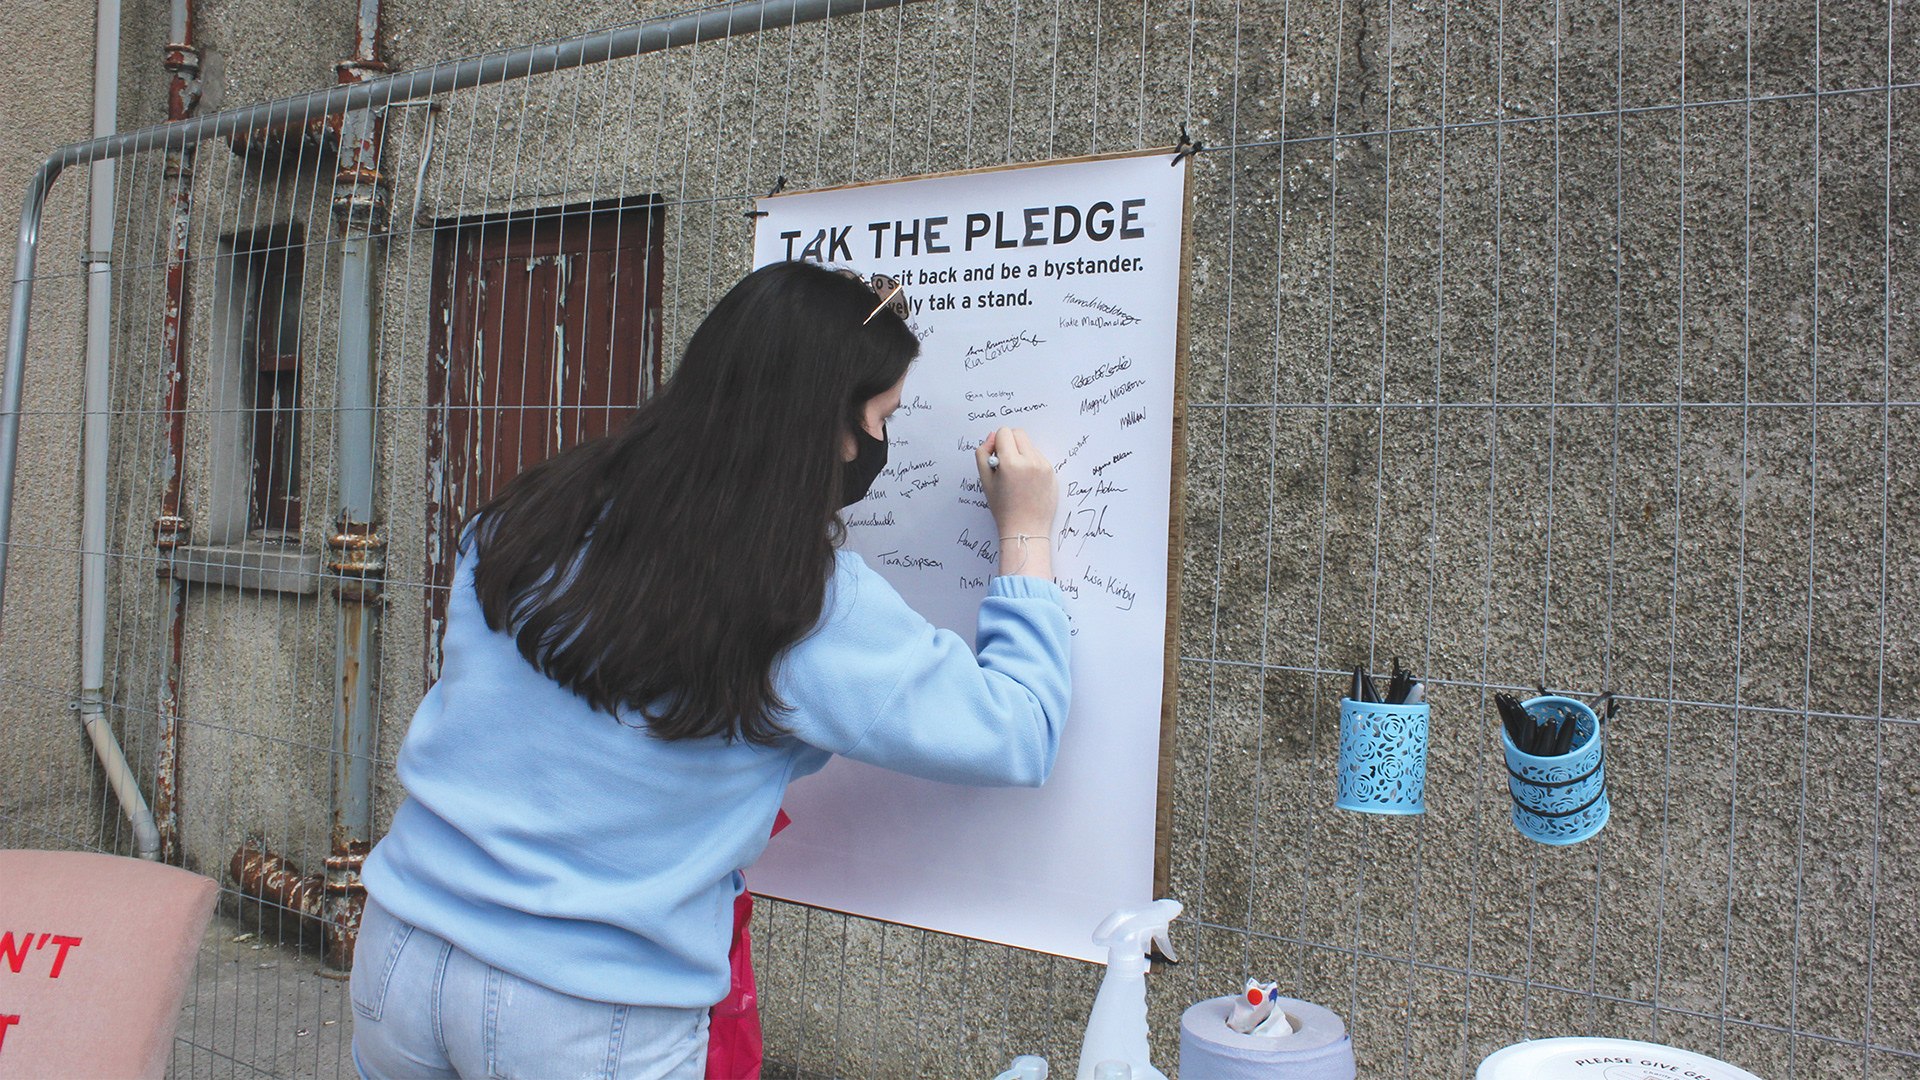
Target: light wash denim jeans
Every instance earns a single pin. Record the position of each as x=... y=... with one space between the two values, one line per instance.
x=425 y=1008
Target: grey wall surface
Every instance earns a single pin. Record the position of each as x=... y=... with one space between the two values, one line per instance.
x=1564 y=344
x=50 y=791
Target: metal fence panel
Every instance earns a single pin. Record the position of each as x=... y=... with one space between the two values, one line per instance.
x=1559 y=344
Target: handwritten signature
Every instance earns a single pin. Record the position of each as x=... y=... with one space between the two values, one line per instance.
x=1085 y=524
x=1121 y=592
x=1069 y=455
x=1081 y=382
x=984 y=548
x=1095 y=404
x=1094 y=303
x=994 y=350
x=1082 y=492
x=909 y=562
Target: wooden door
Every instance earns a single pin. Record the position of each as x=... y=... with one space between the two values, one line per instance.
x=546 y=333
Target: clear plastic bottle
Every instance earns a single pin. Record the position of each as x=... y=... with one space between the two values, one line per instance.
x=1117 y=1028
x=1026 y=1067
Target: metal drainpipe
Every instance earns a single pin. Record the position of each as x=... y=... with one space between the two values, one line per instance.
x=357 y=552
x=171 y=528
x=94 y=454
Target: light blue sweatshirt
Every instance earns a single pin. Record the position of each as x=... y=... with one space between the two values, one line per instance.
x=579 y=852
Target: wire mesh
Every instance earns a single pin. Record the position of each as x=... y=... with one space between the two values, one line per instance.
x=1562 y=343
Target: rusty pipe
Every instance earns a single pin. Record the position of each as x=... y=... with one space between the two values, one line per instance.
x=366 y=33
x=276 y=881
x=356 y=549
x=182 y=63
x=166 y=772
x=357 y=559
x=359 y=129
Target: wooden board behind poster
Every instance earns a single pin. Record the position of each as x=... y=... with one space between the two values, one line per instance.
x=1046 y=297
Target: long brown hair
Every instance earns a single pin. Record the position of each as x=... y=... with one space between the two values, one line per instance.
x=664 y=568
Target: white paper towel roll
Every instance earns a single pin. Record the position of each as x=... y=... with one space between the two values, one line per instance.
x=1210 y=1050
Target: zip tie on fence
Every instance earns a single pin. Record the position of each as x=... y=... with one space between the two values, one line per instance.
x=1185 y=148
x=779 y=185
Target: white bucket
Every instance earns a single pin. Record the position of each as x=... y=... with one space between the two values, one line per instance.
x=1603 y=1059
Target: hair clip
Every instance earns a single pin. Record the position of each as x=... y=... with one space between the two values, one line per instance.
x=898 y=288
x=886 y=287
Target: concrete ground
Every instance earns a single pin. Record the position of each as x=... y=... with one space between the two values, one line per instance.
x=258 y=1008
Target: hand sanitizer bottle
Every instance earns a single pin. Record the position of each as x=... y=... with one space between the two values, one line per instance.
x=1117 y=1029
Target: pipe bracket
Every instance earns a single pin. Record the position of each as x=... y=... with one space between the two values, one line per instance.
x=361 y=202
x=343 y=870
x=181 y=58
x=358 y=551
x=170 y=531
x=357 y=555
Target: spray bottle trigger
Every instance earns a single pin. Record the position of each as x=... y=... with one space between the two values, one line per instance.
x=1163 y=941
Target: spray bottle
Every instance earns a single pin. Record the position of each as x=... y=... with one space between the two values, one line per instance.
x=1117 y=1029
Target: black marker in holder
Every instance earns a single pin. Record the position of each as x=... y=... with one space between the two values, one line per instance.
x=1383 y=745
x=1560 y=798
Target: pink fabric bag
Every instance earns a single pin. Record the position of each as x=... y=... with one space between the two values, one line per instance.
x=734 y=1045
x=735 y=1048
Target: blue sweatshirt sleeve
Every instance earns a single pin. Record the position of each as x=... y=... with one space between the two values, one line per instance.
x=878 y=683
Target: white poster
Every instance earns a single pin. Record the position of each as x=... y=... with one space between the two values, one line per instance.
x=1045 y=297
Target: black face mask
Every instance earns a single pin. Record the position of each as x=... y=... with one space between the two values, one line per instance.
x=869 y=457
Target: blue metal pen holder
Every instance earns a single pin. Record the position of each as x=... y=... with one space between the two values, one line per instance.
x=1560 y=799
x=1383 y=757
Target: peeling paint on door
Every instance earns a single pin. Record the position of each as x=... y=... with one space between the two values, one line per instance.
x=545 y=334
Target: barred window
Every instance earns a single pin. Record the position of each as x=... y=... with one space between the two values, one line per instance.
x=270 y=263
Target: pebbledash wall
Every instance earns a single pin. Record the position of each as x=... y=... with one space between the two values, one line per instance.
x=1538 y=343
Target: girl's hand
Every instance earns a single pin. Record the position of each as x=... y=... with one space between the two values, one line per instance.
x=1023 y=494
